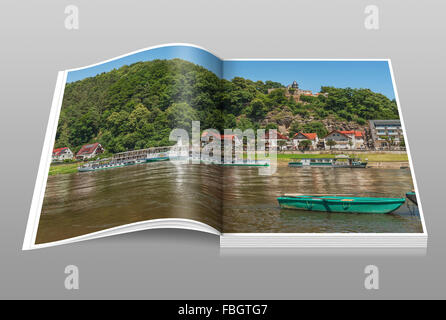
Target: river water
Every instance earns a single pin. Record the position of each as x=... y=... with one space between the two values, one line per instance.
x=250 y=203
x=231 y=199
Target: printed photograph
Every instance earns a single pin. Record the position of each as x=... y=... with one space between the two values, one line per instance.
x=340 y=151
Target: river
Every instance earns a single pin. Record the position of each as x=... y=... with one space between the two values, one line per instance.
x=81 y=203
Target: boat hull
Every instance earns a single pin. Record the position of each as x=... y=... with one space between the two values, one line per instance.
x=326 y=165
x=342 y=204
x=245 y=164
x=103 y=167
x=412 y=197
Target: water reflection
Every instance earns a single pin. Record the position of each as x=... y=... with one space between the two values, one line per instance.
x=81 y=203
x=250 y=203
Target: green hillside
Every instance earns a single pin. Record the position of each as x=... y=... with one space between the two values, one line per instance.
x=136 y=106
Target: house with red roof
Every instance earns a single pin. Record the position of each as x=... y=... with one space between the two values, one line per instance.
x=208 y=137
x=279 y=136
x=61 y=154
x=346 y=140
x=89 y=151
x=301 y=136
x=283 y=141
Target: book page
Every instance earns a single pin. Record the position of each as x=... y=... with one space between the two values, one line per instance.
x=343 y=161
x=109 y=158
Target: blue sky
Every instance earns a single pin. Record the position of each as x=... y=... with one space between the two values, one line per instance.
x=310 y=75
x=192 y=54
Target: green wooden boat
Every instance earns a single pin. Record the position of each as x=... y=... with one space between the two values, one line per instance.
x=329 y=203
x=412 y=197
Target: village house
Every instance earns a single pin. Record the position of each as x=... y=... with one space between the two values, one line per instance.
x=386 y=133
x=61 y=154
x=89 y=151
x=301 y=136
x=294 y=91
x=224 y=138
x=283 y=142
x=345 y=140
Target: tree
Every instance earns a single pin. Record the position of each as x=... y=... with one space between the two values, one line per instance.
x=258 y=108
x=392 y=141
x=387 y=142
x=181 y=115
x=271 y=125
x=315 y=126
x=137 y=105
x=304 y=144
x=294 y=128
x=281 y=144
x=331 y=143
x=402 y=142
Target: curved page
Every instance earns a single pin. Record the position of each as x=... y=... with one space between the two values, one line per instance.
x=105 y=166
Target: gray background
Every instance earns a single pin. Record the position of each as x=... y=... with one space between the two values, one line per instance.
x=182 y=264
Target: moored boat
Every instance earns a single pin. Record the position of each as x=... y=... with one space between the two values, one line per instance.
x=329 y=163
x=412 y=197
x=100 y=166
x=247 y=163
x=157 y=159
x=158 y=156
x=329 y=203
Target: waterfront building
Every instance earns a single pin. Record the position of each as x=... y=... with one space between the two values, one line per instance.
x=346 y=140
x=61 y=154
x=283 y=142
x=89 y=151
x=386 y=133
x=301 y=136
x=230 y=139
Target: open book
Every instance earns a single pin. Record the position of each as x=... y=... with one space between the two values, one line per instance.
x=262 y=153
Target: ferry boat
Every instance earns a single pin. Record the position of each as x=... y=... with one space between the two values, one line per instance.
x=333 y=203
x=158 y=156
x=235 y=162
x=329 y=163
x=108 y=164
x=103 y=164
x=247 y=163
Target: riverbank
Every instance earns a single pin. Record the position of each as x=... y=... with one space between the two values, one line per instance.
x=370 y=157
x=374 y=160
x=378 y=160
x=64 y=168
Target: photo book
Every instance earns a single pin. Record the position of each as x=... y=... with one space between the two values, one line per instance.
x=262 y=153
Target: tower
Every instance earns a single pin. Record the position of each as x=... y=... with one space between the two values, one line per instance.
x=295 y=85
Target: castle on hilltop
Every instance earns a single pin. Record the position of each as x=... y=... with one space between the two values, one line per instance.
x=294 y=91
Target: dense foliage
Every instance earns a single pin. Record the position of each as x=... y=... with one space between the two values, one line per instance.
x=136 y=106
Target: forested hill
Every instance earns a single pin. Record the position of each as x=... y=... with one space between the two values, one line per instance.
x=136 y=106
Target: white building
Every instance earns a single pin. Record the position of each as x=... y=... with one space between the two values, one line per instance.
x=61 y=154
x=301 y=136
x=89 y=151
x=386 y=133
x=345 y=140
